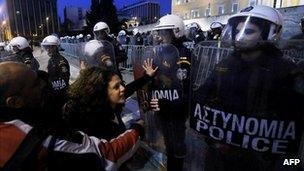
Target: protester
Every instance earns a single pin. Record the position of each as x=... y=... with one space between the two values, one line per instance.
x=96 y=99
x=26 y=144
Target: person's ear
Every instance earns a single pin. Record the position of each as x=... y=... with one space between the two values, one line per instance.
x=14 y=102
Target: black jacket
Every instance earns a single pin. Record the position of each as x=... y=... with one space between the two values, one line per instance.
x=59 y=72
x=26 y=56
x=120 y=54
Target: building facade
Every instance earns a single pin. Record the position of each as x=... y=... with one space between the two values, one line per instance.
x=33 y=19
x=191 y=9
x=141 y=13
x=75 y=15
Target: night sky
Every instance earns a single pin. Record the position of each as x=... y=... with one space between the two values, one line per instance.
x=165 y=5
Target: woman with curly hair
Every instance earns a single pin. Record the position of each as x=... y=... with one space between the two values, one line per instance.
x=96 y=100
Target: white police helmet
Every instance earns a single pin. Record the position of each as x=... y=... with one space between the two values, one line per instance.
x=216 y=25
x=97 y=54
x=135 y=31
x=122 y=33
x=50 y=40
x=2 y=44
x=173 y=22
x=253 y=26
x=101 y=26
x=19 y=42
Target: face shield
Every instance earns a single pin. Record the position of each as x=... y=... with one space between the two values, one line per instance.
x=247 y=32
x=50 y=49
x=165 y=36
x=15 y=49
x=101 y=34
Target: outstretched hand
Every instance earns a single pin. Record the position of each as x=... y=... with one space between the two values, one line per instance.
x=148 y=67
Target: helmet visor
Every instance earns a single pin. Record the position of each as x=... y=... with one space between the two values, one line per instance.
x=15 y=48
x=247 y=32
x=165 y=35
x=101 y=34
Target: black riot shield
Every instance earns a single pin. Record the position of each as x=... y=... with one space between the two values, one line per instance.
x=102 y=55
x=248 y=113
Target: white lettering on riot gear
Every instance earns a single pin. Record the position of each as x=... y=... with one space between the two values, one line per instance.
x=58 y=84
x=259 y=134
x=166 y=94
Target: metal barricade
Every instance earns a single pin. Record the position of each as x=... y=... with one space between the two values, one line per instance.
x=9 y=57
x=73 y=50
x=132 y=51
x=204 y=58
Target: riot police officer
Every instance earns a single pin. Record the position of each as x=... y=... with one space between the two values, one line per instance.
x=122 y=37
x=59 y=70
x=172 y=112
x=137 y=39
x=195 y=33
x=216 y=31
x=256 y=86
x=23 y=52
x=101 y=32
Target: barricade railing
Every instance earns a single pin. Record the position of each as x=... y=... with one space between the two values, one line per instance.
x=73 y=50
x=9 y=57
x=212 y=52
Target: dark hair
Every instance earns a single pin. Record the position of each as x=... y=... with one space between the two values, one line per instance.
x=88 y=103
x=88 y=96
x=90 y=88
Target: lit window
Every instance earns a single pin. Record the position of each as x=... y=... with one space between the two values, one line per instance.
x=195 y=13
x=234 y=8
x=186 y=16
x=221 y=10
x=208 y=12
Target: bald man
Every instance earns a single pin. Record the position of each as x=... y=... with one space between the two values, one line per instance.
x=19 y=86
x=26 y=143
